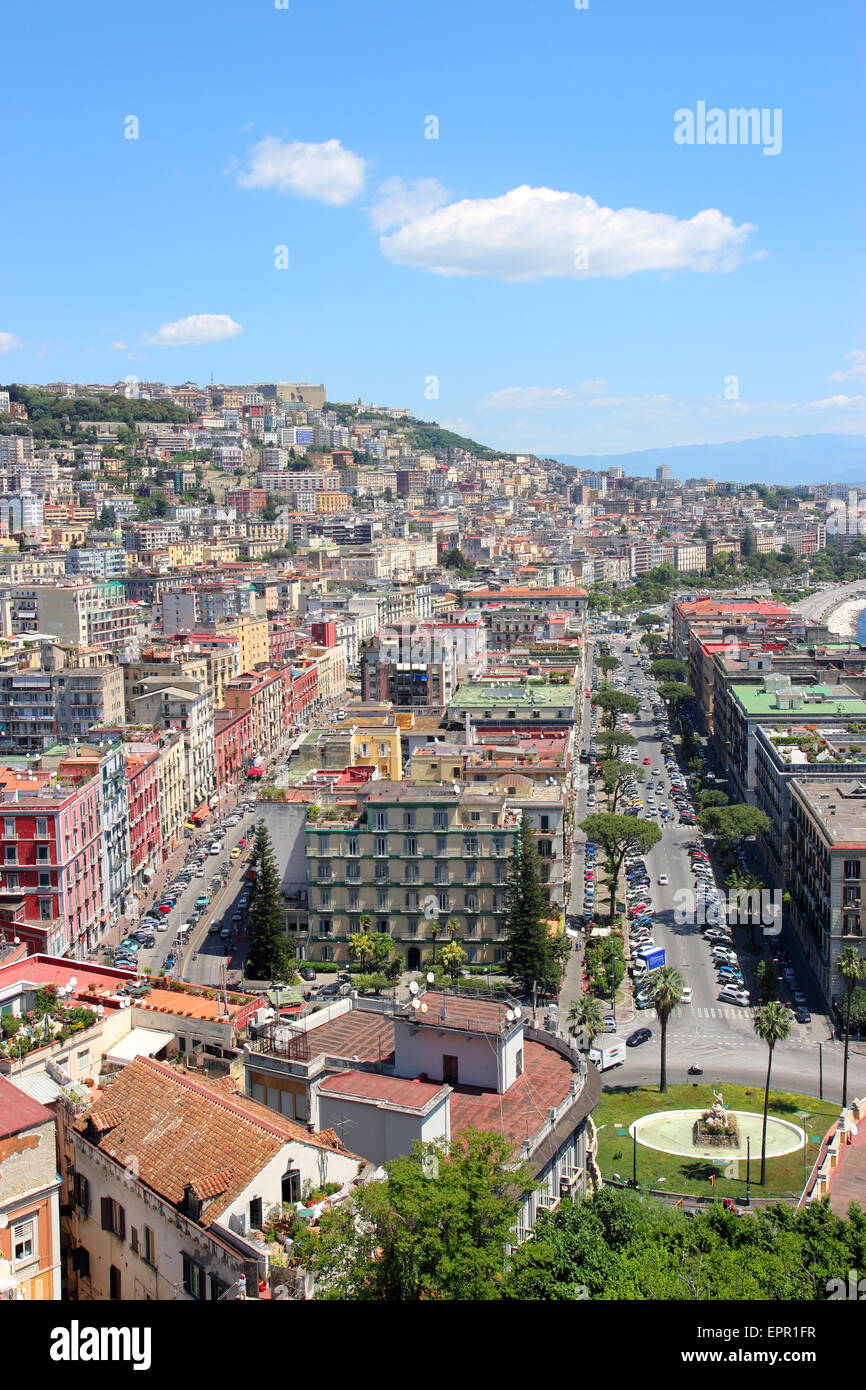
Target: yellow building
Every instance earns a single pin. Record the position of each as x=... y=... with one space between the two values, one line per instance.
x=252 y=638
x=327 y=501
x=174 y=804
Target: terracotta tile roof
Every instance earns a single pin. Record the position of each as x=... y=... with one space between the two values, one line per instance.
x=521 y=1110
x=182 y=1133
x=19 y=1111
x=398 y=1091
x=356 y=1036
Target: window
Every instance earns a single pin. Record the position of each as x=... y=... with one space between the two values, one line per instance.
x=545 y=822
x=148 y=1249
x=46 y=909
x=380 y=847
x=113 y=1218
x=410 y=845
x=498 y=844
x=410 y=873
x=24 y=1242
x=383 y=873
x=41 y=828
x=44 y=879
x=518 y=1062
x=81 y=1262
x=11 y=854
x=470 y=845
x=327 y=952
x=353 y=872
x=440 y=820
x=471 y=902
x=12 y=881
x=324 y=844
x=545 y=848
x=324 y=897
x=412 y=926
x=851 y=895
x=441 y=844
x=471 y=872
x=354 y=926
x=352 y=845
x=852 y=868
x=382 y=899
x=442 y=901
x=324 y=869
x=380 y=820
x=440 y=873
x=382 y=925
x=193 y=1278
x=326 y=926
x=81 y=1195
x=217 y=1288
x=133 y=1240
x=852 y=924
x=114 y=1284
x=412 y=898
x=408 y=820
x=256 y=1213
x=354 y=898
x=9 y=828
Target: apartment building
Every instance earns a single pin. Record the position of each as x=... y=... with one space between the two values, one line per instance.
x=76 y=612
x=141 y=763
x=187 y=1222
x=505 y=705
x=179 y=703
x=53 y=892
x=828 y=870
x=97 y=562
x=30 y=1258
x=260 y=692
x=412 y=858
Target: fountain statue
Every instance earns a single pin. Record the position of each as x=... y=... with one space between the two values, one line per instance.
x=717 y=1127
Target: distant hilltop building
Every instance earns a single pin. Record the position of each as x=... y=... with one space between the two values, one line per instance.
x=663 y=473
x=314 y=396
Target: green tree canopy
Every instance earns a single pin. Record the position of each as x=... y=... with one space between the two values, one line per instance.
x=531 y=961
x=435 y=1227
x=271 y=955
x=666 y=669
x=619 y=836
x=614 y=702
x=733 y=825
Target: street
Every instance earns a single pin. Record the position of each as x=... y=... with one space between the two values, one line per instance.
x=708 y=1032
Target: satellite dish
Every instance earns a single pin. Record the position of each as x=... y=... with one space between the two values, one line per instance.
x=416 y=1004
x=518 y=1012
x=423 y=1008
x=510 y=1015
x=431 y=978
x=413 y=987
x=73 y=981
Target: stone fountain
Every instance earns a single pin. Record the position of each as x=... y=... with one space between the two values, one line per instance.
x=716 y=1128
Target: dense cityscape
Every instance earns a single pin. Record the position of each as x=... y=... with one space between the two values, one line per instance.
x=432 y=675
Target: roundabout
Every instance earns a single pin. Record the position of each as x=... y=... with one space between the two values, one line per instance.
x=672 y=1132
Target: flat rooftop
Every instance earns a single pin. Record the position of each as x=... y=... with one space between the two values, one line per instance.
x=839 y=809
x=816 y=701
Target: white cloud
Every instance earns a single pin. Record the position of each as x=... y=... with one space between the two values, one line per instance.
x=8 y=342
x=398 y=202
x=531 y=233
x=587 y=394
x=327 y=172
x=198 y=328
x=118 y=346
x=857 y=358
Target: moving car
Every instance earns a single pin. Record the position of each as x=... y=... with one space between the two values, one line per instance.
x=639 y=1036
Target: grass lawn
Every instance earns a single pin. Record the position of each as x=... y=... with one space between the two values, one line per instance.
x=620 y=1105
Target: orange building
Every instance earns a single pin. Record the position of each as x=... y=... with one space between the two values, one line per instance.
x=29 y=1199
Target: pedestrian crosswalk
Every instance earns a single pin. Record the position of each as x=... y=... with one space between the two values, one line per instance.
x=719 y=1011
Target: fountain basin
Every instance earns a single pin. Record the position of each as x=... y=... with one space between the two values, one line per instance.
x=671 y=1132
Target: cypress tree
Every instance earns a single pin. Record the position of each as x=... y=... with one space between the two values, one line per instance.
x=531 y=958
x=270 y=954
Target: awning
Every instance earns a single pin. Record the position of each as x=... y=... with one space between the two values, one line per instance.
x=139 y=1042
x=256 y=772
x=147 y=874
x=200 y=813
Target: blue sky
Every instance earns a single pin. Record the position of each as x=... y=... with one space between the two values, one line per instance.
x=617 y=280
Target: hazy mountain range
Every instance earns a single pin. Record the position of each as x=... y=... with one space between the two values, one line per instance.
x=806 y=458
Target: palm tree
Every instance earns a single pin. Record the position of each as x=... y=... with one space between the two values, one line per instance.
x=586 y=1013
x=852 y=968
x=772 y=1025
x=666 y=987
